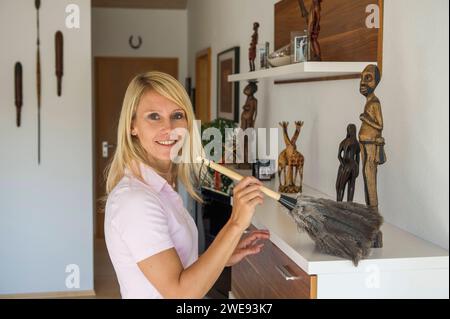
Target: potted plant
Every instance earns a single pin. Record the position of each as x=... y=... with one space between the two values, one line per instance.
x=221 y=182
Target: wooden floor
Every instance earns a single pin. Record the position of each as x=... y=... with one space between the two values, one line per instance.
x=105 y=280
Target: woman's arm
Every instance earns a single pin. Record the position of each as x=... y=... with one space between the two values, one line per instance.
x=165 y=270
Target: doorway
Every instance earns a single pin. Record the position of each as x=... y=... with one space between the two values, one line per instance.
x=112 y=76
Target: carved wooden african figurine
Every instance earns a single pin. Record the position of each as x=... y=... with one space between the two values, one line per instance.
x=349 y=165
x=290 y=162
x=248 y=117
x=313 y=22
x=250 y=108
x=37 y=4
x=370 y=138
x=18 y=90
x=252 y=49
x=59 y=60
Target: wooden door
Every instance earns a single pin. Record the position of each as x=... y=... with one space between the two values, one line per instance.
x=112 y=76
x=203 y=86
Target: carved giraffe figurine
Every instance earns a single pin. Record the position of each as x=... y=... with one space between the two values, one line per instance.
x=298 y=159
x=291 y=160
x=282 y=163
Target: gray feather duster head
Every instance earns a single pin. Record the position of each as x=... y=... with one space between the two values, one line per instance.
x=342 y=229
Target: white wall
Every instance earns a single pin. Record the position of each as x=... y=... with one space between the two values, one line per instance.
x=164 y=34
x=45 y=211
x=413 y=185
x=225 y=24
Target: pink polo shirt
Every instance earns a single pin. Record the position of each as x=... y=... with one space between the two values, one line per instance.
x=143 y=219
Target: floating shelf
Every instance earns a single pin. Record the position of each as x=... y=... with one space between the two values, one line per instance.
x=304 y=72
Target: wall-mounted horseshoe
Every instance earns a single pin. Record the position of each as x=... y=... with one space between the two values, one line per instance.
x=135 y=46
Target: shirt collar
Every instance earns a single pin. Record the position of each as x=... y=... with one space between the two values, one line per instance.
x=153 y=179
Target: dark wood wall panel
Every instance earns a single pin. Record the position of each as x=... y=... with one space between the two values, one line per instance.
x=343 y=36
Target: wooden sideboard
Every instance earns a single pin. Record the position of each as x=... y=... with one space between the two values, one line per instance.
x=289 y=266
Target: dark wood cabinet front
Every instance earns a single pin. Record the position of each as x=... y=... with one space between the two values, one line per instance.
x=271 y=274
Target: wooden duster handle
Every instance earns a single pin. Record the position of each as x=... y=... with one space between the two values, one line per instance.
x=237 y=177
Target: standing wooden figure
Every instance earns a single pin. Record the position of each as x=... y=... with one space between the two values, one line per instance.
x=248 y=118
x=370 y=133
x=252 y=49
x=250 y=108
x=290 y=162
x=349 y=165
x=370 y=138
x=313 y=22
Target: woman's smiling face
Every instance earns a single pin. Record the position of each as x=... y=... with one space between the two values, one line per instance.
x=155 y=121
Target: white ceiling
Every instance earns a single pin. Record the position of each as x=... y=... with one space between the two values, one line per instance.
x=141 y=4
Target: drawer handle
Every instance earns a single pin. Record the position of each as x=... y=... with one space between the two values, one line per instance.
x=286 y=274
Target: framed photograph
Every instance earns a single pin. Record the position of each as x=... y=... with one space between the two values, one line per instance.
x=262 y=57
x=300 y=47
x=228 y=92
x=262 y=62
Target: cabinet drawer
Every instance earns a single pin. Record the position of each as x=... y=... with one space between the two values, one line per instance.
x=247 y=283
x=271 y=274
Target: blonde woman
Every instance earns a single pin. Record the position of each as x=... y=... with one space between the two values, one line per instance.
x=151 y=238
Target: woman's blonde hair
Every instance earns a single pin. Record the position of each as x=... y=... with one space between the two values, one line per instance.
x=129 y=149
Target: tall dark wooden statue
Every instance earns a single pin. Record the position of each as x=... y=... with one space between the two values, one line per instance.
x=18 y=90
x=252 y=49
x=250 y=108
x=370 y=136
x=348 y=156
x=313 y=22
x=59 y=60
x=370 y=133
x=248 y=118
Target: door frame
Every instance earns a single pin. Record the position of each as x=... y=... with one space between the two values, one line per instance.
x=201 y=54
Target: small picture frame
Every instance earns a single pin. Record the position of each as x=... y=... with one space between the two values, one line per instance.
x=300 y=45
x=266 y=57
x=228 y=92
x=262 y=57
x=262 y=61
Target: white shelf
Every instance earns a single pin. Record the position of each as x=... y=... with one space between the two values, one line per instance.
x=305 y=70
